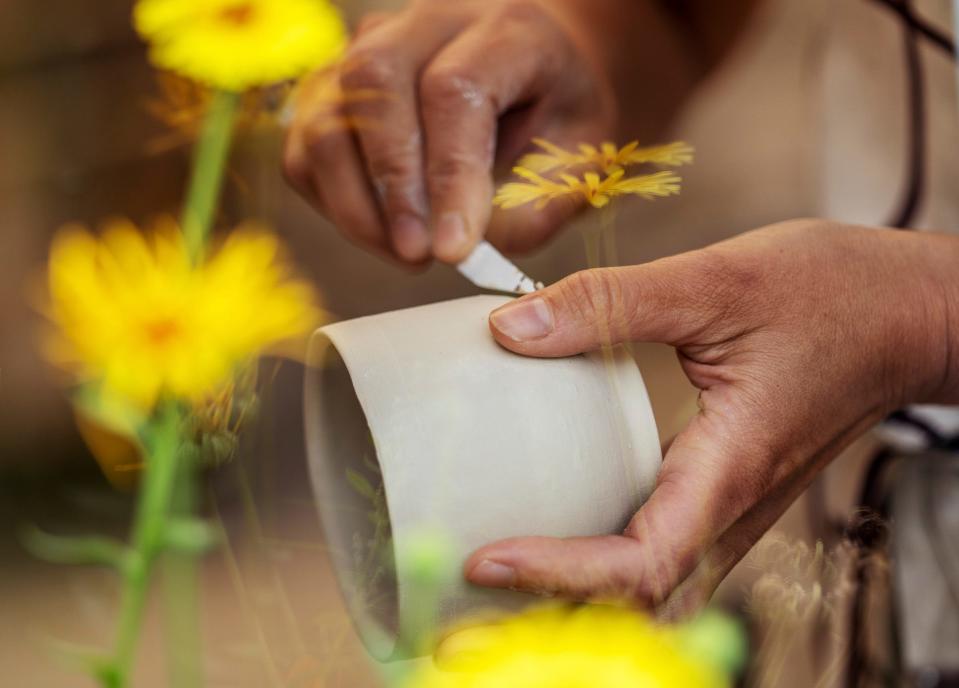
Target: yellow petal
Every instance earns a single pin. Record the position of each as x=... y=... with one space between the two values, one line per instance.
x=236 y=44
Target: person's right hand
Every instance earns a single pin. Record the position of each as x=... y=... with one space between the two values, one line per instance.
x=463 y=86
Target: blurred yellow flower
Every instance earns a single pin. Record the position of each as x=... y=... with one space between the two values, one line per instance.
x=136 y=318
x=595 y=190
x=233 y=45
x=607 y=157
x=563 y=647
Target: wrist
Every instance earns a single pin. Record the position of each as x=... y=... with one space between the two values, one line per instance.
x=946 y=377
x=937 y=341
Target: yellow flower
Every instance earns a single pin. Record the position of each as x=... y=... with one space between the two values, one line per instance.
x=607 y=157
x=562 y=647
x=233 y=45
x=595 y=190
x=137 y=319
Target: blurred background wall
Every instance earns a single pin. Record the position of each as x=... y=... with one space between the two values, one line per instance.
x=806 y=118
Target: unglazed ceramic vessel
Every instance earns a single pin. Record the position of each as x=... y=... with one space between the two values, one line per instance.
x=418 y=422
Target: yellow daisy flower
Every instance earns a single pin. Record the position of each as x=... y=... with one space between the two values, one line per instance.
x=554 y=646
x=607 y=157
x=595 y=190
x=135 y=316
x=234 y=45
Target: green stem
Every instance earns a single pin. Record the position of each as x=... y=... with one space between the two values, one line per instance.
x=181 y=590
x=209 y=165
x=156 y=494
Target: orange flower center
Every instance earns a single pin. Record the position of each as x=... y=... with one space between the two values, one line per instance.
x=161 y=333
x=239 y=14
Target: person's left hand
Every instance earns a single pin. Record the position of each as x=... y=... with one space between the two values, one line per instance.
x=800 y=337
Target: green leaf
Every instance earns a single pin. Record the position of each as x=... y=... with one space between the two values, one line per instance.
x=93 y=549
x=718 y=638
x=191 y=535
x=359 y=483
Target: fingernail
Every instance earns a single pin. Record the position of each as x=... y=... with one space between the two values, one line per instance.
x=491 y=574
x=451 y=236
x=410 y=237
x=525 y=320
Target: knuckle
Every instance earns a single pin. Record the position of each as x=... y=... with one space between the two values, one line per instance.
x=369 y=68
x=401 y=195
x=596 y=294
x=451 y=87
x=443 y=170
x=391 y=171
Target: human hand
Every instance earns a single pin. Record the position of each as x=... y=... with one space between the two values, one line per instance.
x=800 y=337
x=464 y=87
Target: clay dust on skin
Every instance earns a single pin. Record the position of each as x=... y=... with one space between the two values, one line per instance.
x=470 y=92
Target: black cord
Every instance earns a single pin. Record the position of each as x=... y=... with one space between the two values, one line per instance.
x=942 y=548
x=916 y=27
x=868 y=534
x=931 y=33
x=904 y=417
x=914 y=192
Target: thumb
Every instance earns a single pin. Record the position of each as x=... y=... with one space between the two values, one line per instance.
x=656 y=302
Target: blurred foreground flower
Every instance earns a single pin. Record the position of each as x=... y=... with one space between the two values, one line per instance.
x=595 y=190
x=138 y=320
x=233 y=45
x=572 y=647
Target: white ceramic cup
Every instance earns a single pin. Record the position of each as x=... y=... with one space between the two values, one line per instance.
x=471 y=441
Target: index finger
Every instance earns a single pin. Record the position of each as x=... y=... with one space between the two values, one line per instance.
x=470 y=83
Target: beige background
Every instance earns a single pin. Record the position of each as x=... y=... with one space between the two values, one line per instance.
x=806 y=119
